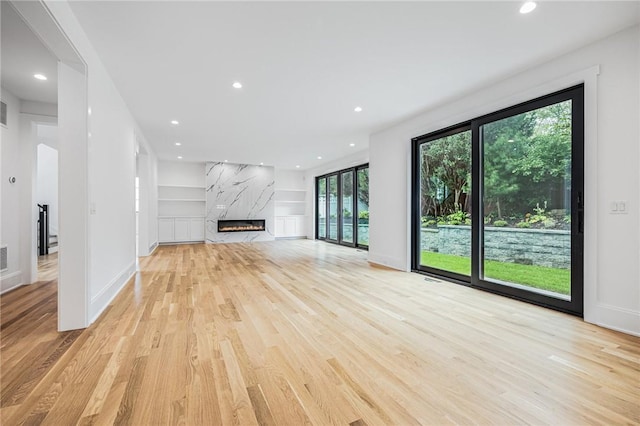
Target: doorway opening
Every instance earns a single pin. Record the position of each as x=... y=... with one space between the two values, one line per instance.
x=47 y=201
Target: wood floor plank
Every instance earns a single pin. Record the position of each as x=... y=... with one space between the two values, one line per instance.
x=303 y=332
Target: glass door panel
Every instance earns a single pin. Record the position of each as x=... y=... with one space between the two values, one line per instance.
x=333 y=207
x=362 y=206
x=346 y=224
x=321 y=208
x=445 y=203
x=526 y=200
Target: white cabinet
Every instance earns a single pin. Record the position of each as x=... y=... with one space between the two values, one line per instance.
x=290 y=227
x=165 y=230
x=180 y=229
x=196 y=229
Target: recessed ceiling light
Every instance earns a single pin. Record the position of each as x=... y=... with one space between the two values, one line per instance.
x=357 y=109
x=319 y=157
x=237 y=85
x=178 y=144
x=528 y=7
x=352 y=144
x=226 y=161
x=297 y=167
x=262 y=164
x=179 y=157
x=175 y=122
x=40 y=76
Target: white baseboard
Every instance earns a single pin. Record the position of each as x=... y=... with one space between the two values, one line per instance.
x=618 y=319
x=10 y=281
x=101 y=300
x=390 y=262
x=152 y=248
x=291 y=238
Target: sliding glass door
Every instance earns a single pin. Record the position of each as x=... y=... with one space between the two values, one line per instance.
x=333 y=207
x=362 y=206
x=321 y=208
x=445 y=203
x=348 y=208
x=342 y=200
x=498 y=204
x=526 y=197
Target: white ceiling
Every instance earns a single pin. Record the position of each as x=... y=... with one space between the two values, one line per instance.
x=305 y=66
x=24 y=55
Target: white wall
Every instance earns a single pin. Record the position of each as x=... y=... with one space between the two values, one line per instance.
x=148 y=205
x=610 y=70
x=47 y=183
x=290 y=179
x=181 y=173
x=39 y=108
x=9 y=213
x=110 y=174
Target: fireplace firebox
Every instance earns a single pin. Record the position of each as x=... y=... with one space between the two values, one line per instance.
x=248 y=225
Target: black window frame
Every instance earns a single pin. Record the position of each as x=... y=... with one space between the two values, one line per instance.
x=576 y=305
x=338 y=174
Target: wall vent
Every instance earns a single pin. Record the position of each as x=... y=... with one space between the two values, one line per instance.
x=3 y=113
x=3 y=258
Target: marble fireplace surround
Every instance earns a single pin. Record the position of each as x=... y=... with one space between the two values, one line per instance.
x=239 y=192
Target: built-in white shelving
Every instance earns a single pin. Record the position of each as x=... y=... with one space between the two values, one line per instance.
x=290 y=213
x=181 y=202
x=290 y=202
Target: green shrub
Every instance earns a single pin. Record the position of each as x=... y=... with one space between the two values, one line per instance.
x=523 y=225
x=540 y=215
x=458 y=216
x=364 y=214
x=549 y=223
x=500 y=223
x=430 y=222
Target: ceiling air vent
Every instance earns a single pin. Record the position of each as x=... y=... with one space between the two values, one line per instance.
x=3 y=114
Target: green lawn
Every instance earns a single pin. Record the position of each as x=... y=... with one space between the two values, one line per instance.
x=551 y=279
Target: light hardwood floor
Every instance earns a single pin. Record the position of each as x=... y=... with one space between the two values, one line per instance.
x=304 y=332
x=48 y=267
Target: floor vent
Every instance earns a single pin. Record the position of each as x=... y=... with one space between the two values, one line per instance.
x=3 y=258
x=3 y=113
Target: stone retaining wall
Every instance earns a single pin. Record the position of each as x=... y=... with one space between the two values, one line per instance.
x=543 y=247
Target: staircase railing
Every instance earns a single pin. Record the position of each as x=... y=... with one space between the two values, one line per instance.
x=43 y=229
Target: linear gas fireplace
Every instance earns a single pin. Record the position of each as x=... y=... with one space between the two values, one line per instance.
x=241 y=225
